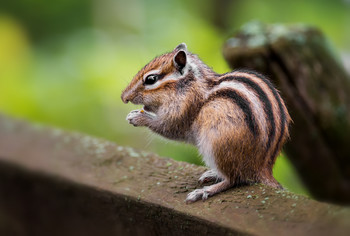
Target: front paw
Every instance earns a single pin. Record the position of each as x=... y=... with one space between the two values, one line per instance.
x=135 y=117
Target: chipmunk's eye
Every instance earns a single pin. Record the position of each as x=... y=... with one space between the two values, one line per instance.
x=151 y=79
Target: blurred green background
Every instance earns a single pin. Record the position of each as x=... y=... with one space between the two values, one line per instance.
x=65 y=62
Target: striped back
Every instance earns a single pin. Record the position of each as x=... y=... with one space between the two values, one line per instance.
x=264 y=110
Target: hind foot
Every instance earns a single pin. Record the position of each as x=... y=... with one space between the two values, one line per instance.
x=208 y=191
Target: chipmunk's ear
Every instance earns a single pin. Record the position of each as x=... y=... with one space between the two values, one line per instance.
x=180 y=60
x=181 y=46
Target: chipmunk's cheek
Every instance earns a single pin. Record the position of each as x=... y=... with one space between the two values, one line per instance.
x=137 y=100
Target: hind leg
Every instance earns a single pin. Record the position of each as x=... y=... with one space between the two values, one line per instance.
x=267 y=178
x=208 y=191
x=271 y=181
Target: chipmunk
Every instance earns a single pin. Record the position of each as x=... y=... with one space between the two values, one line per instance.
x=237 y=120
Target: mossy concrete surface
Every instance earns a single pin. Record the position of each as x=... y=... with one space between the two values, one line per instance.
x=54 y=182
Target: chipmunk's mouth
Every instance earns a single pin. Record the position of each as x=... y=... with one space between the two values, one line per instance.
x=149 y=110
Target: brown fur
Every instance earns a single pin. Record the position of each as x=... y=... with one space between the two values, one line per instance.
x=189 y=105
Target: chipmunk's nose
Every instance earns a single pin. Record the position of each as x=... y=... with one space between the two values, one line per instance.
x=125 y=99
x=127 y=96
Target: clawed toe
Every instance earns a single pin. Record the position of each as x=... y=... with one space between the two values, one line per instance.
x=204 y=179
x=208 y=176
x=208 y=191
x=197 y=194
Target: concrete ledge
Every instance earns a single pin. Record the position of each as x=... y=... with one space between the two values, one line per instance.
x=58 y=183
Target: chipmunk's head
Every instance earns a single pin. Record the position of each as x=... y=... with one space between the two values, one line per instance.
x=160 y=81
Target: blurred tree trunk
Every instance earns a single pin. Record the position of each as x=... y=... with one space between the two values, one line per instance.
x=316 y=87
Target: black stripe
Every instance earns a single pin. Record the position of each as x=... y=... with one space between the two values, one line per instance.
x=263 y=98
x=243 y=103
x=282 y=112
x=258 y=75
x=283 y=126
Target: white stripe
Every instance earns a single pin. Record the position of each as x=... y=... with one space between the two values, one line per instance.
x=192 y=64
x=170 y=77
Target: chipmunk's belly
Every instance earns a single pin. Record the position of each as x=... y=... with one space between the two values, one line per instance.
x=206 y=150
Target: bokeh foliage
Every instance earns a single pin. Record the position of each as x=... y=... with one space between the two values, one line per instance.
x=66 y=62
